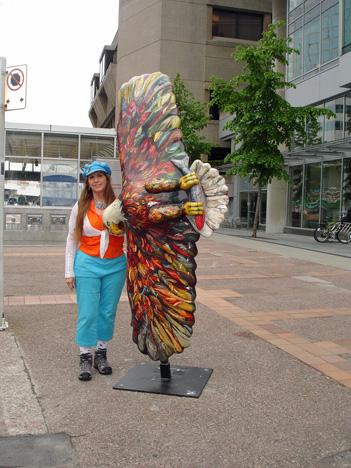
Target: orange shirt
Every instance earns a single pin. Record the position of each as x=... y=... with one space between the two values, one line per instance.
x=91 y=245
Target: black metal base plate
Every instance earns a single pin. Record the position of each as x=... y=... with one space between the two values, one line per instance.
x=184 y=381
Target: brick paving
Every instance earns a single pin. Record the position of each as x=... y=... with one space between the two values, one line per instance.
x=272 y=321
x=332 y=358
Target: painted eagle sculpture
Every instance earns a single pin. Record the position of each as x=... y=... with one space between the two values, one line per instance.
x=167 y=206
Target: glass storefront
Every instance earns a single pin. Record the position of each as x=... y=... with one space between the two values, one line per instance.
x=59 y=187
x=346 y=186
x=318 y=191
x=311 y=195
x=295 y=197
x=43 y=168
x=330 y=196
x=22 y=181
x=248 y=201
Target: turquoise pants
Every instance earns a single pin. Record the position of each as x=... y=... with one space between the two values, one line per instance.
x=99 y=283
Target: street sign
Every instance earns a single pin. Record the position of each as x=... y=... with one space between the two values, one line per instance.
x=16 y=87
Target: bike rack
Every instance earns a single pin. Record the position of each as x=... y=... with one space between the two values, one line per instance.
x=345 y=227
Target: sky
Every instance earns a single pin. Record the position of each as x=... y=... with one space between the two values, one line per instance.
x=61 y=43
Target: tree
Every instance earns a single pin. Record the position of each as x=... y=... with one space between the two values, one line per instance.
x=262 y=120
x=194 y=117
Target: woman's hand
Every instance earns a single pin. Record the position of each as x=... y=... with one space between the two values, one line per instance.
x=70 y=283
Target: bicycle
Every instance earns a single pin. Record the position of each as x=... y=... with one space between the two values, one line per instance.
x=327 y=231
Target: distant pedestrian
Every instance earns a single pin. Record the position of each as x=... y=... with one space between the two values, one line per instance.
x=96 y=267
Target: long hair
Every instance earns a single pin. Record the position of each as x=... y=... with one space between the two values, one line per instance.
x=85 y=201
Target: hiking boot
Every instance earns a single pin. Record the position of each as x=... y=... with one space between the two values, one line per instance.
x=100 y=362
x=85 y=364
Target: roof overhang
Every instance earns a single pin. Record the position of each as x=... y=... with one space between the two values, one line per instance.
x=324 y=152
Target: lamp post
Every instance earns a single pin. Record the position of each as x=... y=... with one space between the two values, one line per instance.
x=4 y=324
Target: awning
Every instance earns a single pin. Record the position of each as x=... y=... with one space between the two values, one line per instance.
x=324 y=152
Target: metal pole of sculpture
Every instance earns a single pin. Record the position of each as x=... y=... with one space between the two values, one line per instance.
x=167 y=205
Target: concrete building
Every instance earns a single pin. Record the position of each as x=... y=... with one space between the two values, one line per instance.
x=192 y=38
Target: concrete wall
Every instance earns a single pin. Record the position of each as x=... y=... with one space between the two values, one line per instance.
x=174 y=36
x=35 y=225
x=139 y=38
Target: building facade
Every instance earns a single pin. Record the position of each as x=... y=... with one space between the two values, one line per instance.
x=192 y=38
x=320 y=171
x=43 y=179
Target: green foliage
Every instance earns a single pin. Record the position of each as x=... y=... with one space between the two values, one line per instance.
x=262 y=120
x=194 y=117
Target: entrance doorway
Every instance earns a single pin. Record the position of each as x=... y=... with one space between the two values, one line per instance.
x=248 y=202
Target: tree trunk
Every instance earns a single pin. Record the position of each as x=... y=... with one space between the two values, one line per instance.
x=258 y=202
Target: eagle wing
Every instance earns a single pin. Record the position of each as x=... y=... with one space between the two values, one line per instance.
x=161 y=241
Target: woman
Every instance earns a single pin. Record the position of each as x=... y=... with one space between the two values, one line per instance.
x=96 y=267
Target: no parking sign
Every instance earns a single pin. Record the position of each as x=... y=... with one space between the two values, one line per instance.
x=16 y=87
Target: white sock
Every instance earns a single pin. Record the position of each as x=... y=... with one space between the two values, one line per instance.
x=102 y=344
x=84 y=350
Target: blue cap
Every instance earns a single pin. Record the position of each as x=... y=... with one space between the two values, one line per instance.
x=94 y=167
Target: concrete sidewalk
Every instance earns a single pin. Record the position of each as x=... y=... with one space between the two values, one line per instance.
x=273 y=322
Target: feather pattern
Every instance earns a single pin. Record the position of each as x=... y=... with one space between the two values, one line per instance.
x=161 y=239
x=161 y=255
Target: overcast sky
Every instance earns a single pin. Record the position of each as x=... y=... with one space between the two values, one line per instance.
x=60 y=42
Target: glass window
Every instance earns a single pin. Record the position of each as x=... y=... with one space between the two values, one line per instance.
x=347 y=115
x=244 y=197
x=251 y=207
x=330 y=34
x=312 y=45
x=311 y=201
x=96 y=147
x=333 y=128
x=94 y=86
x=263 y=208
x=295 y=198
x=296 y=13
x=311 y=14
x=315 y=134
x=310 y=4
x=331 y=190
x=294 y=3
x=109 y=56
x=60 y=146
x=295 y=60
x=347 y=22
x=22 y=181
x=346 y=186
x=239 y=25
x=23 y=144
x=59 y=183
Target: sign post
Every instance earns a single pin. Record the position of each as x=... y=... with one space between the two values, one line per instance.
x=16 y=87
x=4 y=324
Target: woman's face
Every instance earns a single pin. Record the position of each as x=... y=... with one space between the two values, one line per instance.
x=97 y=181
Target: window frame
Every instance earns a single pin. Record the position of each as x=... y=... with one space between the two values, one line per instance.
x=237 y=15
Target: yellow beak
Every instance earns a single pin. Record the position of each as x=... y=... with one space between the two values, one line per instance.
x=116 y=229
